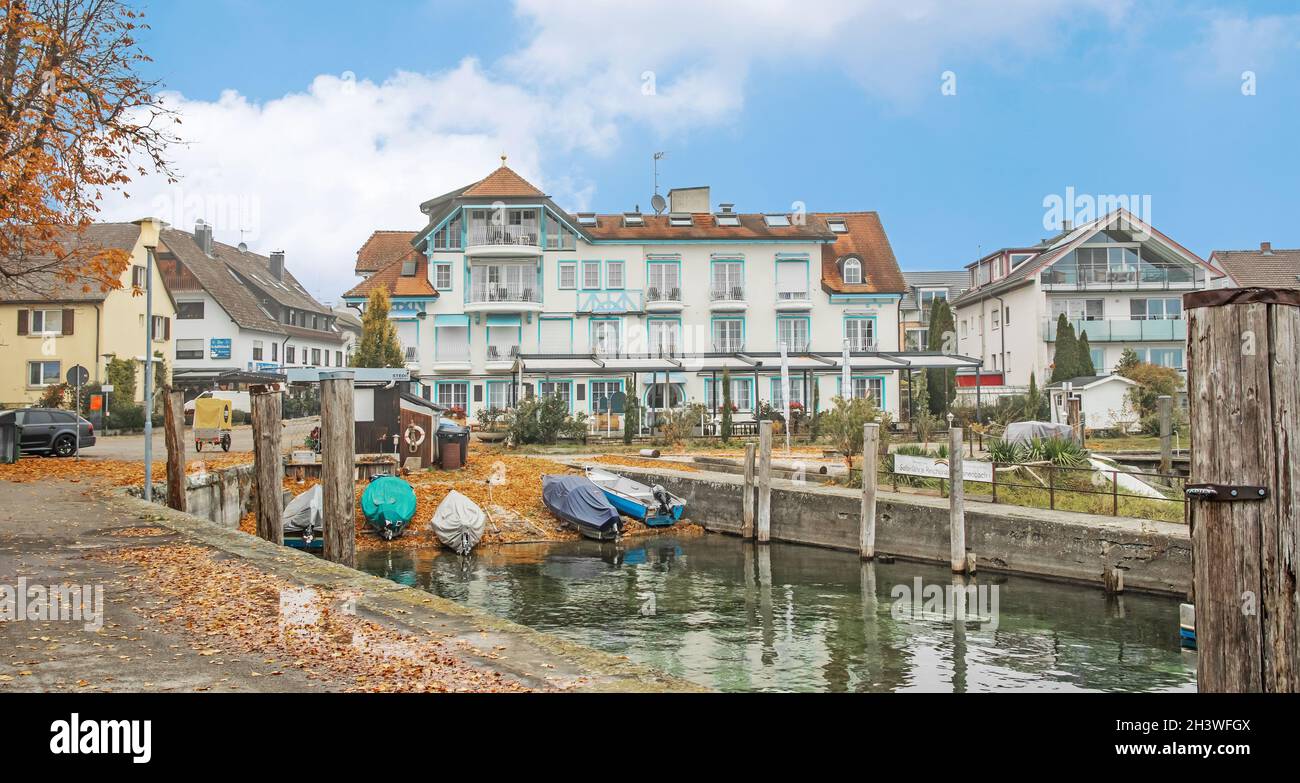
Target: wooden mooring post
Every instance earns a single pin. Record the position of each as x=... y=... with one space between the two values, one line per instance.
x=268 y=464
x=870 y=461
x=764 y=482
x=338 y=458
x=1243 y=362
x=174 y=437
x=747 y=501
x=1165 y=409
x=956 y=502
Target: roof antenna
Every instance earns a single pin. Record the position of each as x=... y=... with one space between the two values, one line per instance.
x=658 y=201
x=243 y=246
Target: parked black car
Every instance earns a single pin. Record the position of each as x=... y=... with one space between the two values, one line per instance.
x=50 y=431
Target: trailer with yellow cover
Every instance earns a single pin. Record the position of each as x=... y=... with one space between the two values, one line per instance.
x=213 y=417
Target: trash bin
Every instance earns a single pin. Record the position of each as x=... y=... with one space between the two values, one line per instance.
x=453 y=445
x=8 y=438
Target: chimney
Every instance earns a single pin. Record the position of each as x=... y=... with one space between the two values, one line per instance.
x=726 y=207
x=688 y=199
x=276 y=264
x=203 y=237
x=1266 y=248
x=1067 y=225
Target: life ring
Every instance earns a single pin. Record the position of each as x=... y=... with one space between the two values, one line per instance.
x=412 y=439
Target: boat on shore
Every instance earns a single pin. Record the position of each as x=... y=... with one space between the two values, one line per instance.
x=458 y=523
x=304 y=521
x=579 y=502
x=655 y=506
x=389 y=505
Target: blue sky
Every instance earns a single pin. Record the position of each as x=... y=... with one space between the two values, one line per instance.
x=323 y=121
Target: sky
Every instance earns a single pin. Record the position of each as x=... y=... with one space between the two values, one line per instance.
x=307 y=125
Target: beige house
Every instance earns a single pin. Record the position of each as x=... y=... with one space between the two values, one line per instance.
x=48 y=325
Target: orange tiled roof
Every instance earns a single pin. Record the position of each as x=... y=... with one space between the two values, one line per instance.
x=865 y=239
x=382 y=248
x=503 y=183
x=391 y=277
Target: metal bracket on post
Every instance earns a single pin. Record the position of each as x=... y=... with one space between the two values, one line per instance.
x=1225 y=493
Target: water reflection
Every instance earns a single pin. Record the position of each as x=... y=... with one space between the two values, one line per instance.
x=736 y=616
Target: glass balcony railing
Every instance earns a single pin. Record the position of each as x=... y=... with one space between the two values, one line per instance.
x=1122 y=329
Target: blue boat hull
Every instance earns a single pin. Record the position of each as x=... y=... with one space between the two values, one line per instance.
x=637 y=510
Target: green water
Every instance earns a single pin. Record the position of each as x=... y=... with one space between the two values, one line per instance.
x=737 y=617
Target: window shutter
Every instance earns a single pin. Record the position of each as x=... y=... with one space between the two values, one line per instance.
x=478 y=392
x=67 y=321
x=22 y=322
x=167 y=329
x=582 y=392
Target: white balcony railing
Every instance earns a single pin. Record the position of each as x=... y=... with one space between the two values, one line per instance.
x=503 y=293
x=792 y=296
x=656 y=294
x=526 y=235
x=502 y=353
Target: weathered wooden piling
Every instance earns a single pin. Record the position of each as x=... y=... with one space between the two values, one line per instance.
x=956 y=502
x=870 y=459
x=747 y=502
x=268 y=464
x=338 y=457
x=1243 y=361
x=764 y=481
x=1165 y=409
x=174 y=437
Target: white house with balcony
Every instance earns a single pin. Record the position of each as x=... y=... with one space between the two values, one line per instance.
x=511 y=296
x=1116 y=278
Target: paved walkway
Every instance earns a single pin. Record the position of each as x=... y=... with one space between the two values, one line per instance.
x=131 y=447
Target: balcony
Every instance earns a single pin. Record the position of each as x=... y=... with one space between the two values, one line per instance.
x=1070 y=277
x=663 y=300
x=727 y=299
x=1121 y=329
x=610 y=302
x=491 y=239
x=411 y=357
x=791 y=301
x=503 y=299
x=501 y=358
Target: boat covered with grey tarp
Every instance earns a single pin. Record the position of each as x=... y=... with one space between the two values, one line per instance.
x=458 y=523
x=304 y=520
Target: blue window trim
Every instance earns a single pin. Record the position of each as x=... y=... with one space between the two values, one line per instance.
x=605 y=272
x=796 y=381
x=884 y=387
x=713 y=337
x=780 y=318
x=451 y=273
x=559 y=381
x=487 y=391
x=622 y=387
x=469 y=338
x=591 y=329
x=748 y=380
x=875 y=325
x=573 y=262
x=438 y=384
x=793 y=258
x=600 y=273
x=568 y=318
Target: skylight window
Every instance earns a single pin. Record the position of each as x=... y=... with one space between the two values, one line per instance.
x=680 y=219
x=837 y=225
x=777 y=221
x=408 y=268
x=633 y=219
x=586 y=218
x=727 y=219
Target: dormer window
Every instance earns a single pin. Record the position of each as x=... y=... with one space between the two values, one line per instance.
x=727 y=219
x=776 y=221
x=837 y=225
x=634 y=219
x=852 y=271
x=680 y=219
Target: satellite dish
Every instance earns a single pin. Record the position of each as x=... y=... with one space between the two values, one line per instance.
x=658 y=203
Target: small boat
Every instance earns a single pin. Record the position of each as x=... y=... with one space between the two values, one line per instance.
x=458 y=523
x=576 y=500
x=655 y=506
x=1187 y=625
x=389 y=505
x=304 y=520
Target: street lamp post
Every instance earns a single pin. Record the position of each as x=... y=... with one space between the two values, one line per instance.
x=148 y=374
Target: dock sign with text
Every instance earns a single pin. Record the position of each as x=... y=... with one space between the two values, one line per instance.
x=930 y=467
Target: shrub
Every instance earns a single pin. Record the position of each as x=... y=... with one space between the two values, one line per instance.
x=843 y=425
x=631 y=417
x=538 y=420
x=675 y=425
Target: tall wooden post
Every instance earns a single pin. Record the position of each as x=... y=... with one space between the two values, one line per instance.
x=1243 y=362
x=1165 y=408
x=747 y=502
x=338 y=465
x=870 y=459
x=174 y=436
x=956 y=502
x=268 y=464
x=764 y=481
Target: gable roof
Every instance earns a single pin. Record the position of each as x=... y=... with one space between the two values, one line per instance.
x=1088 y=381
x=229 y=272
x=503 y=183
x=1260 y=268
x=1058 y=247
x=382 y=248
x=398 y=285
x=866 y=240
x=47 y=283
x=956 y=282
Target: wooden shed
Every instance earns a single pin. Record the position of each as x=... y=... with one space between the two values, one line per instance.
x=392 y=421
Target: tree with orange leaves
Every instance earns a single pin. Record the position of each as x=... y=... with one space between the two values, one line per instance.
x=76 y=121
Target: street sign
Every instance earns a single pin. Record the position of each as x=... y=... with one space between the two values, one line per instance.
x=78 y=375
x=108 y=387
x=929 y=467
x=219 y=348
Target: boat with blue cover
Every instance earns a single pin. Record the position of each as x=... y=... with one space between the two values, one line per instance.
x=655 y=506
x=578 y=501
x=389 y=505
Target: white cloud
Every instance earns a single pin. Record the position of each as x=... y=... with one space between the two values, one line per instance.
x=313 y=173
x=1233 y=44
